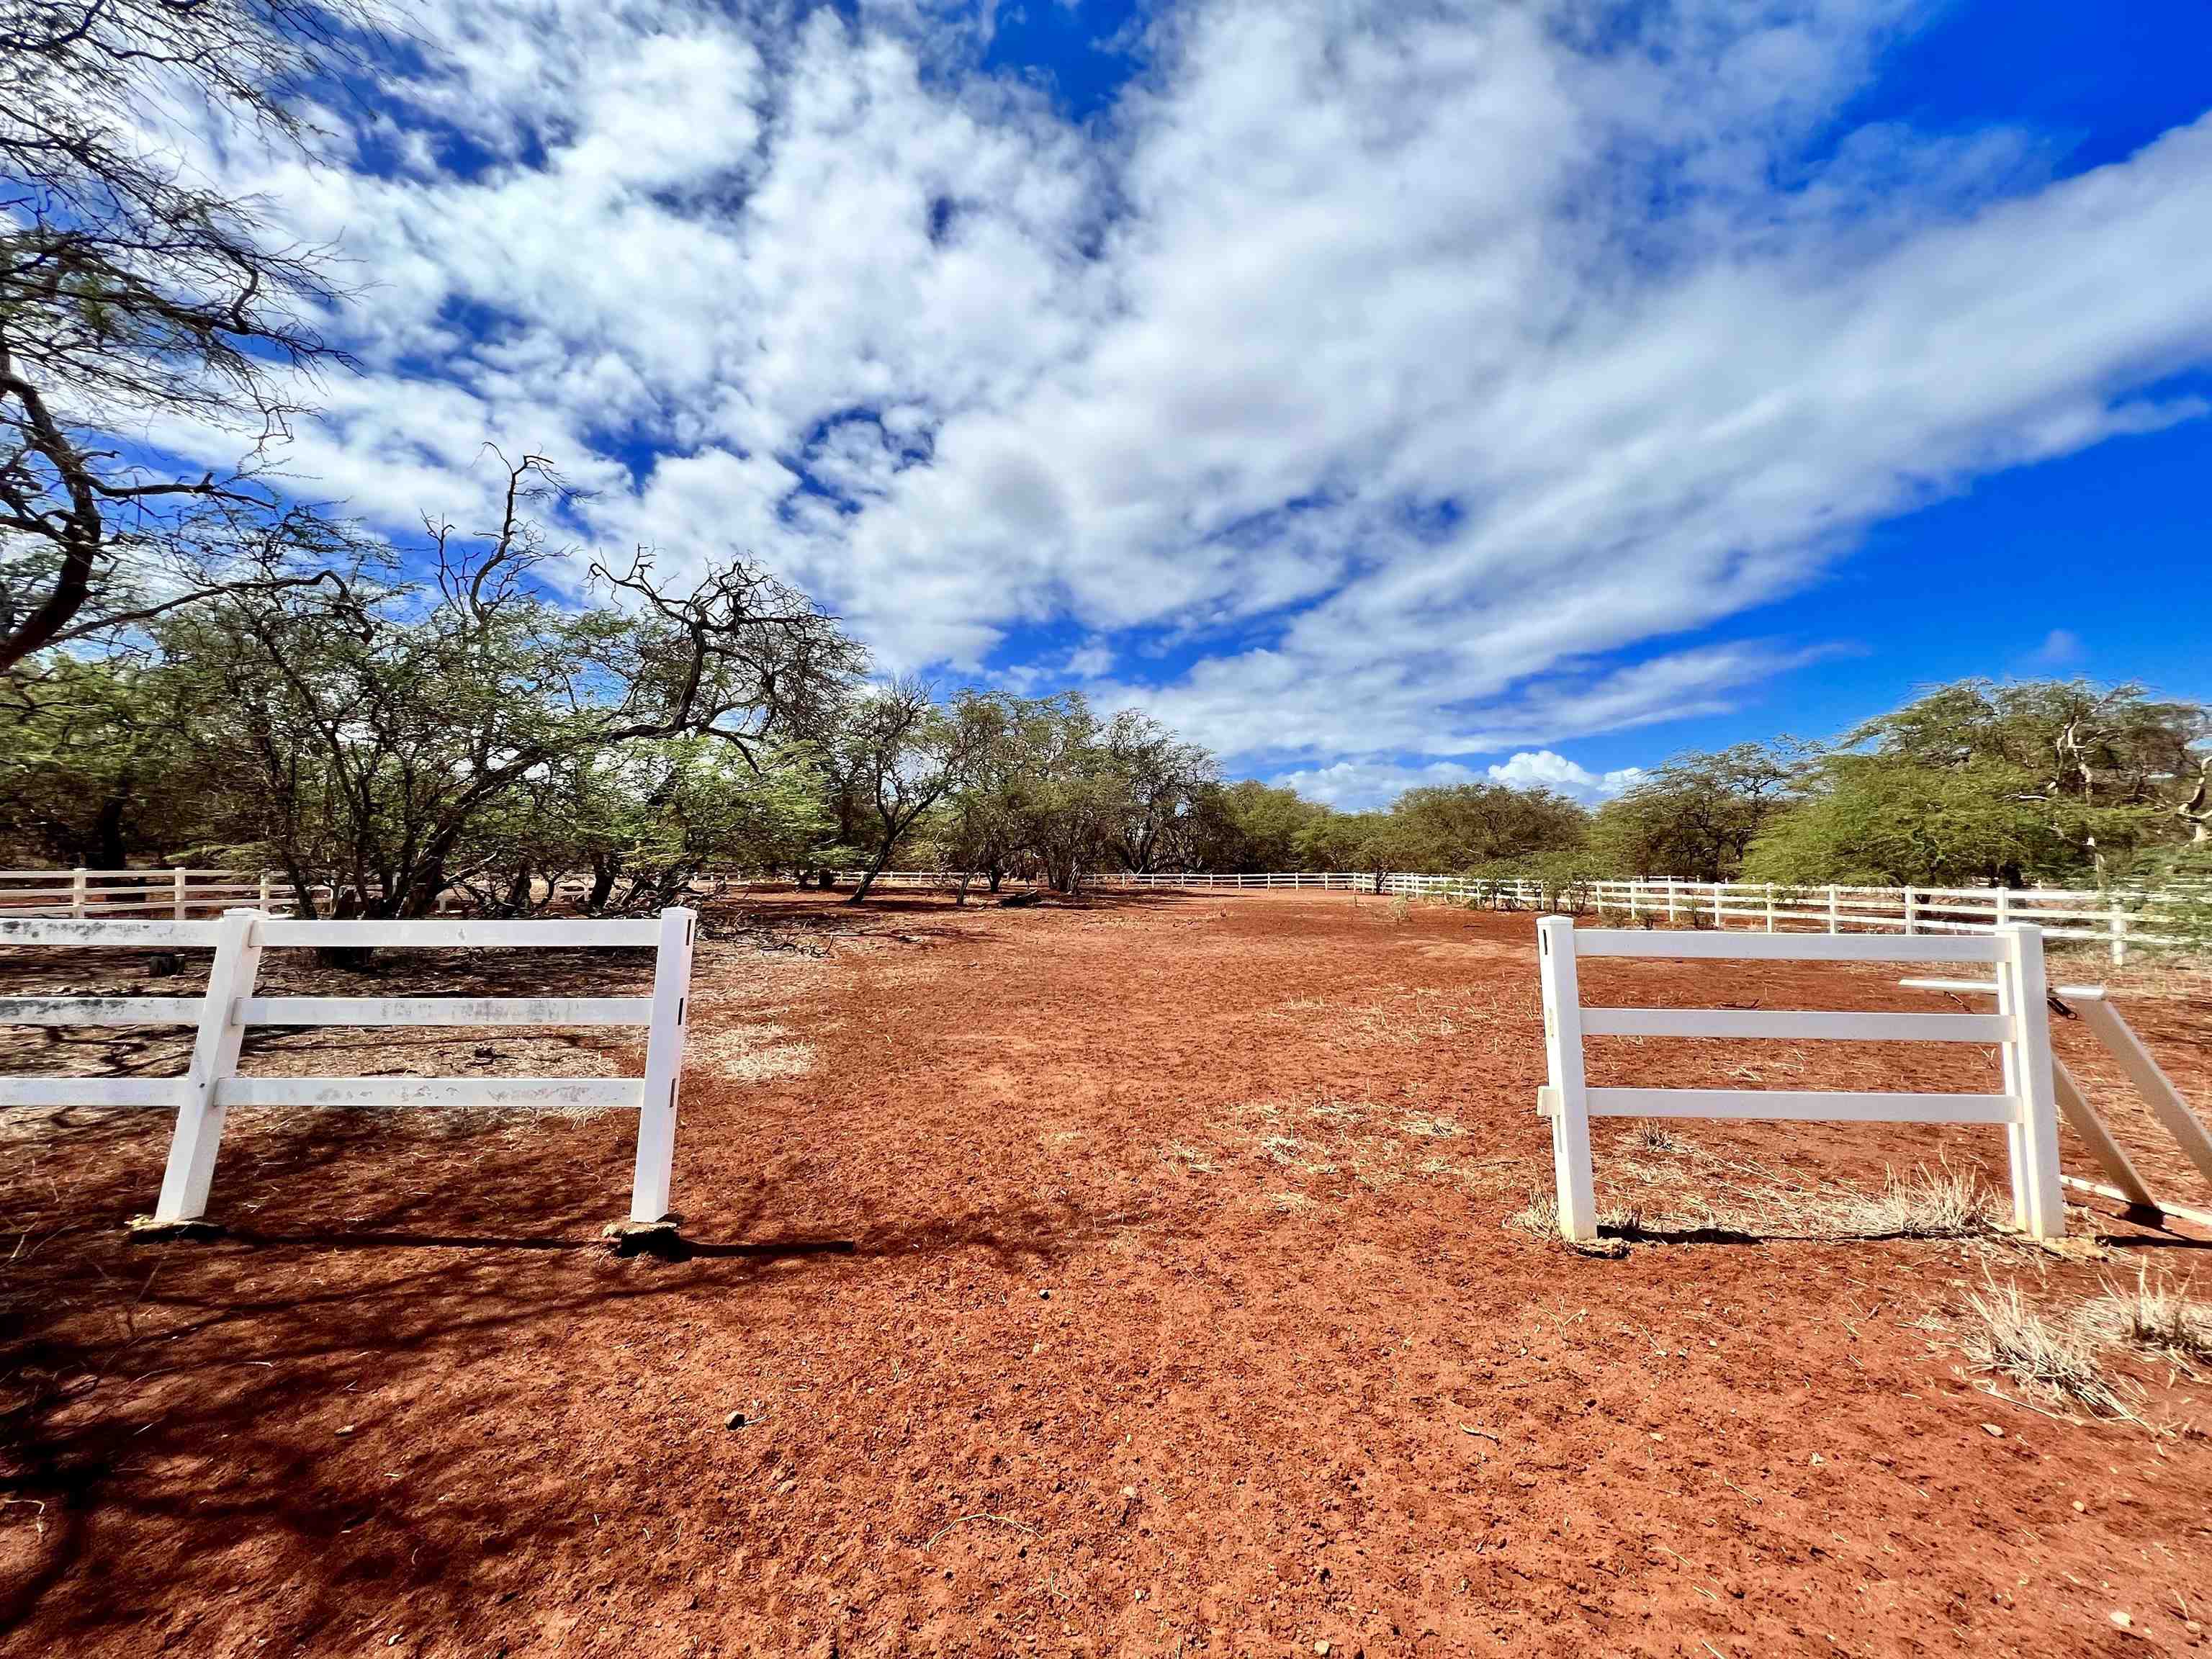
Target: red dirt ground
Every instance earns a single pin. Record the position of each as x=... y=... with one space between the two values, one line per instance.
x=1122 y=1280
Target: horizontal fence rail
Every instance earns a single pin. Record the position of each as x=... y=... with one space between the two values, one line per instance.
x=228 y=1008
x=121 y=894
x=2108 y=918
x=2094 y=1007
x=2113 y=919
x=2116 y=919
x=2019 y=1030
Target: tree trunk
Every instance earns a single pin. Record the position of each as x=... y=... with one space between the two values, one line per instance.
x=603 y=872
x=876 y=868
x=107 y=837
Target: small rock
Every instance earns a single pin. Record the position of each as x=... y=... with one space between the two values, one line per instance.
x=734 y=1420
x=787 y=1489
x=1817 y=1460
x=2122 y=1620
x=1993 y=1430
x=1322 y=1648
x=2079 y=1508
x=345 y=1428
x=1044 y=1296
x=2192 y=1627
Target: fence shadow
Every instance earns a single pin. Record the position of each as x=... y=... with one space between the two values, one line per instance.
x=162 y=1403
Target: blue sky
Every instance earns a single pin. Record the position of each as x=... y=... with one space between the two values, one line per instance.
x=1380 y=393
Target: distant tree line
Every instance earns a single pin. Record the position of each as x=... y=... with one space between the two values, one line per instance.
x=1976 y=783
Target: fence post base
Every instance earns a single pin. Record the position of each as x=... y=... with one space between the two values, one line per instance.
x=144 y=1229
x=659 y=1237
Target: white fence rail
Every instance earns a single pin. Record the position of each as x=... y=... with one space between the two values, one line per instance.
x=222 y=1014
x=2111 y=919
x=2062 y=913
x=124 y=895
x=2020 y=1027
x=2164 y=1102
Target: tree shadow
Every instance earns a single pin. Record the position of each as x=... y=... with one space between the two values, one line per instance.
x=163 y=1405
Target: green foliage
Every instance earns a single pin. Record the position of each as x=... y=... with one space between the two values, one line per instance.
x=100 y=763
x=1871 y=820
x=2042 y=782
x=1695 y=816
x=1250 y=826
x=1460 y=827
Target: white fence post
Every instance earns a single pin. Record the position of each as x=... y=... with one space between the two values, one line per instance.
x=1769 y=907
x=2020 y=972
x=1911 y=914
x=79 y=891
x=1562 y=1054
x=1835 y=911
x=198 y=1134
x=2119 y=934
x=664 y=1066
x=264 y=889
x=182 y=880
x=1720 y=919
x=1671 y=884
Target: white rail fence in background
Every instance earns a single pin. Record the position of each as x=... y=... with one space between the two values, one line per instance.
x=2020 y=1028
x=1334 y=881
x=222 y=1014
x=127 y=893
x=2062 y=913
x=2111 y=919
x=2115 y=920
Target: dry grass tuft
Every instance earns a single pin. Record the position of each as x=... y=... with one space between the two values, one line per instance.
x=1540 y=1215
x=1944 y=1203
x=2157 y=1318
x=2059 y=1361
x=1621 y=1218
x=1649 y=1137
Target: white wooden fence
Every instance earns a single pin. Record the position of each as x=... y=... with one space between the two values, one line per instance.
x=221 y=1016
x=2021 y=1027
x=2094 y=1004
x=142 y=893
x=2110 y=918
x=2062 y=913
x=1332 y=881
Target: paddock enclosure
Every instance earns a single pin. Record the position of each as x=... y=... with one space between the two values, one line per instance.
x=1135 y=1277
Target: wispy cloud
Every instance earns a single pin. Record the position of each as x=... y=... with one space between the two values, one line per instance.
x=1429 y=364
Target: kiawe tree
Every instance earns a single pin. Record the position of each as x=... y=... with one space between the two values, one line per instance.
x=133 y=297
x=1697 y=815
x=2036 y=782
x=394 y=723
x=904 y=754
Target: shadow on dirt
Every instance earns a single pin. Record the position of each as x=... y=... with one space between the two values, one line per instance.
x=157 y=1396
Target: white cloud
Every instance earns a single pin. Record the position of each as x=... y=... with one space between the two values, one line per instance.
x=1356 y=786
x=1542 y=768
x=2061 y=648
x=1412 y=362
